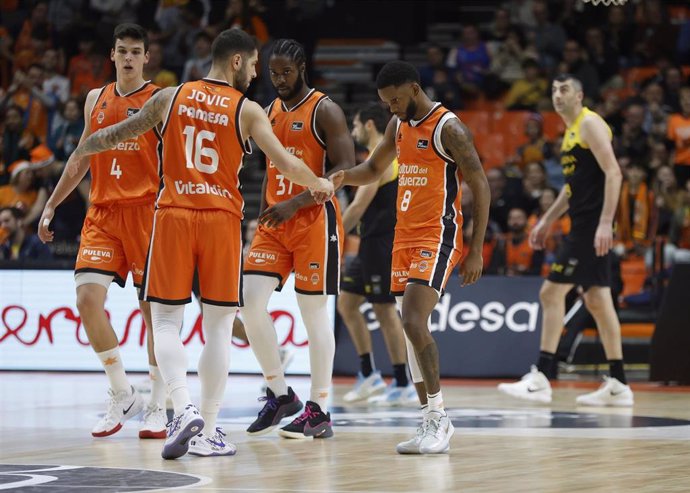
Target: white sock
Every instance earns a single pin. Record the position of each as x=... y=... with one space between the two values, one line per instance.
x=436 y=402
x=314 y=310
x=114 y=369
x=214 y=362
x=158 y=393
x=260 y=330
x=413 y=365
x=170 y=353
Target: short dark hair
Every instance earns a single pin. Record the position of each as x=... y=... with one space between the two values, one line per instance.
x=132 y=31
x=290 y=49
x=230 y=42
x=376 y=113
x=565 y=77
x=396 y=74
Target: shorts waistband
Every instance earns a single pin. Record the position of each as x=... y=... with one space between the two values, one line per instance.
x=121 y=204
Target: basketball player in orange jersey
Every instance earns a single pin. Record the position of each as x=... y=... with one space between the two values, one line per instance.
x=297 y=234
x=205 y=129
x=116 y=232
x=435 y=152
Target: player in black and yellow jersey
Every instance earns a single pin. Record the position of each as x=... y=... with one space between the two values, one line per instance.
x=590 y=195
x=369 y=275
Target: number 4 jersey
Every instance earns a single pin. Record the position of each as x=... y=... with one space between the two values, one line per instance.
x=131 y=169
x=203 y=148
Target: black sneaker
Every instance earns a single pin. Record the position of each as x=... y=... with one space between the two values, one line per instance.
x=312 y=423
x=275 y=409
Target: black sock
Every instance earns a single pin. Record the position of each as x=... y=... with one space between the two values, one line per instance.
x=616 y=370
x=400 y=375
x=365 y=364
x=546 y=363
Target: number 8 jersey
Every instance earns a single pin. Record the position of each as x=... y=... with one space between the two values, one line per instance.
x=203 y=148
x=428 y=203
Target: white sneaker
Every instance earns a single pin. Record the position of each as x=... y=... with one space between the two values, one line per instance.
x=155 y=419
x=122 y=406
x=437 y=433
x=210 y=446
x=395 y=396
x=365 y=387
x=411 y=446
x=611 y=393
x=534 y=386
x=180 y=429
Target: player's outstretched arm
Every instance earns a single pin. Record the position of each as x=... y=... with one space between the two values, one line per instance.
x=375 y=165
x=457 y=140
x=152 y=113
x=255 y=124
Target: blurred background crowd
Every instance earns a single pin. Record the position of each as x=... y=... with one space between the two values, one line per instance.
x=491 y=61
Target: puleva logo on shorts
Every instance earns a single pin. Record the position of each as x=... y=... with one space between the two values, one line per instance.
x=258 y=257
x=422 y=144
x=132 y=111
x=297 y=126
x=401 y=275
x=97 y=255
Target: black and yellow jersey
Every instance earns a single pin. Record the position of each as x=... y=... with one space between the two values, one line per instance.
x=584 y=178
x=379 y=218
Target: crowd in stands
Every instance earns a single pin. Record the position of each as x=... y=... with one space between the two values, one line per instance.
x=633 y=61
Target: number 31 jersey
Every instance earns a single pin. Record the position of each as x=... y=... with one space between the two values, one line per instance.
x=296 y=130
x=203 y=148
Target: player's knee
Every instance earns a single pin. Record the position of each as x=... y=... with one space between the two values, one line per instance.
x=346 y=306
x=88 y=302
x=594 y=302
x=415 y=330
x=548 y=295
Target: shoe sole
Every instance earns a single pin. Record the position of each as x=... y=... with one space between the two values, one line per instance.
x=291 y=410
x=407 y=451
x=133 y=412
x=213 y=454
x=326 y=432
x=611 y=404
x=107 y=433
x=152 y=434
x=181 y=444
x=526 y=397
x=445 y=450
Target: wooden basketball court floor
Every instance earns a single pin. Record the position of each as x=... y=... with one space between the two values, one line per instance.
x=500 y=445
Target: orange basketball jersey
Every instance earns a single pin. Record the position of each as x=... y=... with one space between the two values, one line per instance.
x=428 y=212
x=131 y=169
x=296 y=130
x=203 y=148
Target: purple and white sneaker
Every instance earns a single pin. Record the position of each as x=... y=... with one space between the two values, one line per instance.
x=211 y=445
x=180 y=429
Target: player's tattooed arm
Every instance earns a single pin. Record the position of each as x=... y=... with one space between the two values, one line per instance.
x=148 y=117
x=457 y=141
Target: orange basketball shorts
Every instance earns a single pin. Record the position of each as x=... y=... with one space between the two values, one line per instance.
x=421 y=265
x=187 y=239
x=115 y=239
x=310 y=243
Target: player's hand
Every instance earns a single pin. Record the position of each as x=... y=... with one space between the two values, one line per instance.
x=337 y=179
x=471 y=268
x=537 y=237
x=603 y=239
x=276 y=215
x=323 y=192
x=44 y=233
